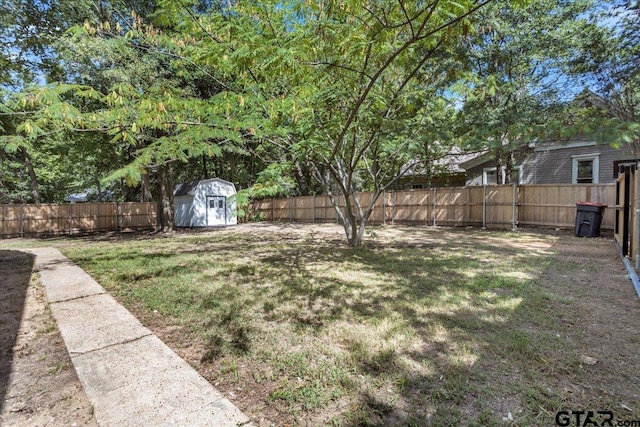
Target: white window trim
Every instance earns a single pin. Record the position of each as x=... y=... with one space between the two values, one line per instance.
x=503 y=173
x=596 y=166
x=493 y=169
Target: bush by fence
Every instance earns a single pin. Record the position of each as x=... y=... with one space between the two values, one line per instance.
x=493 y=206
x=77 y=218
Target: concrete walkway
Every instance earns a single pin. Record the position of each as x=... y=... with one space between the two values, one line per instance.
x=130 y=376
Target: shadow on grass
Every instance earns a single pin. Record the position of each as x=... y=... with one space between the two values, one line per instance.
x=484 y=335
x=15 y=269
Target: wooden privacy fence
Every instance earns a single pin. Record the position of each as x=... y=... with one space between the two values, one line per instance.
x=77 y=218
x=494 y=206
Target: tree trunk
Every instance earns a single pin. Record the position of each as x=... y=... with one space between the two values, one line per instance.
x=499 y=169
x=33 y=179
x=205 y=171
x=354 y=228
x=145 y=188
x=165 y=199
x=508 y=167
x=99 y=188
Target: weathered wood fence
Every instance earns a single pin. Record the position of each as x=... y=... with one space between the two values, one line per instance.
x=493 y=206
x=77 y=218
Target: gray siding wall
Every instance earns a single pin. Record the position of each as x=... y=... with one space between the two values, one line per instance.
x=555 y=166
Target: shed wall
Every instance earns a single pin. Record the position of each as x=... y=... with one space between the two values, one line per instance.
x=183 y=211
x=191 y=211
x=214 y=188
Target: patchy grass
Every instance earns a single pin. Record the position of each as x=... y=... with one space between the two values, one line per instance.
x=420 y=327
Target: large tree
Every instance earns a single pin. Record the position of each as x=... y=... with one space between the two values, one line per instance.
x=610 y=70
x=355 y=91
x=350 y=93
x=516 y=83
x=39 y=140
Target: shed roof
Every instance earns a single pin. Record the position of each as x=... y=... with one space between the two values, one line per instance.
x=185 y=189
x=188 y=188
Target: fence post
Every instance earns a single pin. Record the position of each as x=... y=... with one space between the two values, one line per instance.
x=273 y=210
x=384 y=207
x=484 y=207
x=21 y=220
x=117 y=216
x=71 y=219
x=313 y=217
x=435 y=205
x=394 y=207
x=515 y=204
x=635 y=219
x=290 y=210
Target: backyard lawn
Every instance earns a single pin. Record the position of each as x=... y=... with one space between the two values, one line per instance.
x=421 y=326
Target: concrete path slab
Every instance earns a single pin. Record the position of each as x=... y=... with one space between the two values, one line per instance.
x=94 y=322
x=62 y=279
x=130 y=376
x=153 y=394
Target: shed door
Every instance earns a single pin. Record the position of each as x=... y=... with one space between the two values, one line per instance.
x=216 y=210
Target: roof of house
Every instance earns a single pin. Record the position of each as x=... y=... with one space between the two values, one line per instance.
x=475 y=160
x=450 y=163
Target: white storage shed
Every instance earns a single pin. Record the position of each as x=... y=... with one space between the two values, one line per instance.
x=205 y=203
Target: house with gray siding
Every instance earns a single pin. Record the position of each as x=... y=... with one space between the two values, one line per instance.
x=573 y=162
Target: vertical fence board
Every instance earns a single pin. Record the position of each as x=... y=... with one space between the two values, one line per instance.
x=12 y=225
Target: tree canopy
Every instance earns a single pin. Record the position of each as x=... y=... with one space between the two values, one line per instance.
x=285 y=97
x=516 y=81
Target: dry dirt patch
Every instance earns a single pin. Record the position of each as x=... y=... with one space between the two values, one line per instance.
x=38 y=384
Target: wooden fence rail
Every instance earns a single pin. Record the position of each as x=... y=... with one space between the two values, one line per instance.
x=77 y=218
x=492 y=206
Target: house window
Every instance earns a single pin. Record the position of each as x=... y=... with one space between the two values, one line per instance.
x=585 y=169
x=212 y=204
x=416 y=187
x=490 y=176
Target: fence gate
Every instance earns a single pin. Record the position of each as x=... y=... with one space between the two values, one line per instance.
x=625 y=217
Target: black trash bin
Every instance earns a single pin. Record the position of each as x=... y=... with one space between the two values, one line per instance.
x=588 y=219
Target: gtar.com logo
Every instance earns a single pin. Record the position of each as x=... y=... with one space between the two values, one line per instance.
x=584 y=418
x=591 y=419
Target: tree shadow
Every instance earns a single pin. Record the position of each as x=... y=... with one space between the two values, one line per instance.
x=496 y=332
x=506 y=361
x=15 y=268
x=411 y=275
